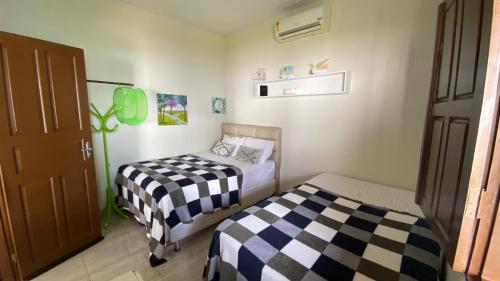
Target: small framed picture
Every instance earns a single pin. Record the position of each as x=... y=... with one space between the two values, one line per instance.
x=218 y=105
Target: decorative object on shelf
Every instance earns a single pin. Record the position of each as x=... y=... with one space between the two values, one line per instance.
x=130 y=106
x=287 y=72
x=291 y=91
x=218 y=105
x=259 y=75
x=172 y=109
x=320 y=67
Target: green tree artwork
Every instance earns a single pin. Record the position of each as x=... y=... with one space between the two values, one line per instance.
x=172 y=109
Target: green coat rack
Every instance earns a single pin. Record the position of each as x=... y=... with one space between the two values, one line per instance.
x=104 y=129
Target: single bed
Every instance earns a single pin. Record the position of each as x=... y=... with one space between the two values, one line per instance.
x=176 y=197
x=330 y=228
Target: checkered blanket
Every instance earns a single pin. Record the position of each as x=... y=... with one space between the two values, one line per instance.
x=310 y=234
x=166 y=192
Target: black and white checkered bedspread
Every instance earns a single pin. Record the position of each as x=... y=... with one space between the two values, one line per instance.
x=310 y=234
x=166 y=192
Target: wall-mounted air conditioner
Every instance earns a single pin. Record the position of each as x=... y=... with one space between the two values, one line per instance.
x=302 y=23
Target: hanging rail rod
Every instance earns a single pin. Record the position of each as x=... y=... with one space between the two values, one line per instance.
x=110 y=82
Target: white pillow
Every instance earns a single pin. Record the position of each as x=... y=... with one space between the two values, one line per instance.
x=236 y=141
x=267 y=147
x=222 y=149
x=248 y=154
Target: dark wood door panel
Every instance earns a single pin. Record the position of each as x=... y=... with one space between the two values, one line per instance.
x=26 y=157
x=461 y=108
x=432 y=172
x=36 y=221
x=450 y=181
x=22 y=93
x=39 y=205
x=460 y=49
x=447 y=49
x=64 y=91
x=77 y=206
x=469 y=47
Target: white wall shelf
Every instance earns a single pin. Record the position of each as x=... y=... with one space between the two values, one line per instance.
x=331 y=83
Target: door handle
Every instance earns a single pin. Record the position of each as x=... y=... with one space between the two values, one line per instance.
x=87 y=149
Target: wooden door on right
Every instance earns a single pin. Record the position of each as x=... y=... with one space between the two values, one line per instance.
x=457 y=87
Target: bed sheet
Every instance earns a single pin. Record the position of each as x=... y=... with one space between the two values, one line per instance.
x=253 y=174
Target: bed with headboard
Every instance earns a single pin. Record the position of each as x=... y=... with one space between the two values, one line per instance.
x=176 y=197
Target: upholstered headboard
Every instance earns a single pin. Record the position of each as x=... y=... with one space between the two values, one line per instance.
x=261 y=132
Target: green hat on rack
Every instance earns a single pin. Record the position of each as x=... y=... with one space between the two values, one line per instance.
x=131 y=105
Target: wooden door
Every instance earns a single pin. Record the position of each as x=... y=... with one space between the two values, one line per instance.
x=49 y=183
x=453 y=116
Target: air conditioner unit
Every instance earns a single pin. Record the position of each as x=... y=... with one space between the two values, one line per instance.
x=302 y=23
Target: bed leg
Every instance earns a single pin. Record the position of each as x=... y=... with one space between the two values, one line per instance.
x=177 y=246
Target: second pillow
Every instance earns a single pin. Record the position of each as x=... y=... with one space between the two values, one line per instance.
x=248 y=154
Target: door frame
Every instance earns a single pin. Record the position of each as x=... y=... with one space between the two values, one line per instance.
x=484 y=184
x=483 y=190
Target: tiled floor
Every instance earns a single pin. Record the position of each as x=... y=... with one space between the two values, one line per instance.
x=124 y=248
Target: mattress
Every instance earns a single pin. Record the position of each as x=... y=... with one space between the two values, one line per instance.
x=401 y=200
x=253 y=174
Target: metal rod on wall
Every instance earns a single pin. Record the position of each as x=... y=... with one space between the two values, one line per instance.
x=110 y=82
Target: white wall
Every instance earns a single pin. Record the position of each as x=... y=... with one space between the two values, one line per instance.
x=374 y=133
x=124 y=43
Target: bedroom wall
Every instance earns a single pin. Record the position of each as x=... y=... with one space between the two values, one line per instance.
x=125 y=43
x=373 y=133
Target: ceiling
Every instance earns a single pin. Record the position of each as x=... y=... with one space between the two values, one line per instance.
x=219 y=16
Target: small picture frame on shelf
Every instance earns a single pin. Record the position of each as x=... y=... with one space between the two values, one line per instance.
x=263 y=90
x=291 y=92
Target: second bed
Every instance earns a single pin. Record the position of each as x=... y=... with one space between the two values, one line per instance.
x=329 y=228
